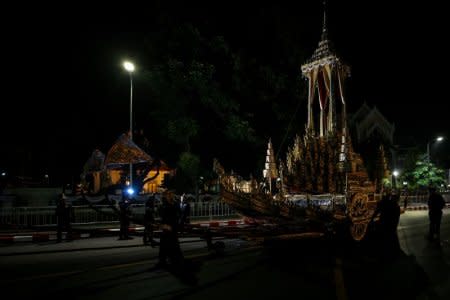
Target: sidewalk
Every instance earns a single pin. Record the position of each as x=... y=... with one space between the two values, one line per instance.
x=421 y=206
x=97 y=243
x=83 y=231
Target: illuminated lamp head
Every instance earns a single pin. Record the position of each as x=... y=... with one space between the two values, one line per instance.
x=130 y=191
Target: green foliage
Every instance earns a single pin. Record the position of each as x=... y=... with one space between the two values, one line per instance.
x=424 y=174
x=182 y=130
x=189 y=164
x=239 y=129
x=202 y=92
x=387 y=182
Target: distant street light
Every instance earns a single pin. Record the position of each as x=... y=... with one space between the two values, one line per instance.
x=437 y=140
x=130 y=69
x=395 y=174
x=130 y=191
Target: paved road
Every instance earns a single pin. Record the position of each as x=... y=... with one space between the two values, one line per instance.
x=421 y=271
x=307 y=269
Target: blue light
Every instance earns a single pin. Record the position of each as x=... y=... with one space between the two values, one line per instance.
x=130 y=191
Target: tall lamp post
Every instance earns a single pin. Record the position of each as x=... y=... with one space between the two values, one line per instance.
x=437 y=140
x=130 y=69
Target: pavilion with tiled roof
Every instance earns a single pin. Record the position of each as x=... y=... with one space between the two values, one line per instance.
x=115 y=166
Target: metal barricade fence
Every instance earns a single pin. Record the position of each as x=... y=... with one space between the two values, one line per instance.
x=414 y=200
x=421 y=199
x=31 y=216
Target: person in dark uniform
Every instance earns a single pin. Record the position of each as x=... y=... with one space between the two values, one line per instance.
x=124 y=217
x=185 y=212
x=405 y=199
x=170 y=255
x=169 y=247
x=63 y=218
x=70 y=218
x=388 y=211
x=149 y=219
x=435 y=205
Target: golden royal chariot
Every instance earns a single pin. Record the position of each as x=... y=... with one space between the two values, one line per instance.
x=322 y=180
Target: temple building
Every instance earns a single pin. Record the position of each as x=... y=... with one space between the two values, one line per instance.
x=368 y=123
x=102 y=171
x=369 y=129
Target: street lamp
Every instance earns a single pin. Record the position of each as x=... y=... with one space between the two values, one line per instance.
x=394 y=178
x=437 y=140
x=130 y=69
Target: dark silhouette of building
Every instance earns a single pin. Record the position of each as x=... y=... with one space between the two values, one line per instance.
x=370 y=130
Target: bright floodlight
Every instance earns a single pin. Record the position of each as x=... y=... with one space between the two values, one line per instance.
x=439 y=138
x=130 y=191
x=128 y=66
x=395 y=173
x=405 y=182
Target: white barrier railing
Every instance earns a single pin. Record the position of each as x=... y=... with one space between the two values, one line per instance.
x=30 y=216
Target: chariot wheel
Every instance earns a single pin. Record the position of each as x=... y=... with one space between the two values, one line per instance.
x=359 y=214
x=358 y=230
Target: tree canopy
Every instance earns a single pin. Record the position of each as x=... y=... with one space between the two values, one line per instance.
x=205 y=98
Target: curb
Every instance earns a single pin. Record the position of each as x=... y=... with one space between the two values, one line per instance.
x=40 y=237
x=44 y=237
x=424 y=207
x=221 y=223
x=194 y=225
x=417 y=208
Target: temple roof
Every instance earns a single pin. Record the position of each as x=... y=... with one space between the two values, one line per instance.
x=366 y=121
x=95 y=161
x=360 y=114
x=125 y=151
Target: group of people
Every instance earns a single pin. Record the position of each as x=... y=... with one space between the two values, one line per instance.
x=388 y=212
x=173 y=218
x=179 y=217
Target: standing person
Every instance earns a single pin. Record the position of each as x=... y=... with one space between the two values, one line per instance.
x=405 y=199
x=435 y=205
x=185 y=212
x=388 y=211
x=124 y=217
x=70 y=218
x=169 y=247
x=149 y=219
x=61 y=216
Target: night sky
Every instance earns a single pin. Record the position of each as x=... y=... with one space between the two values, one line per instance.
x=65 y=92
